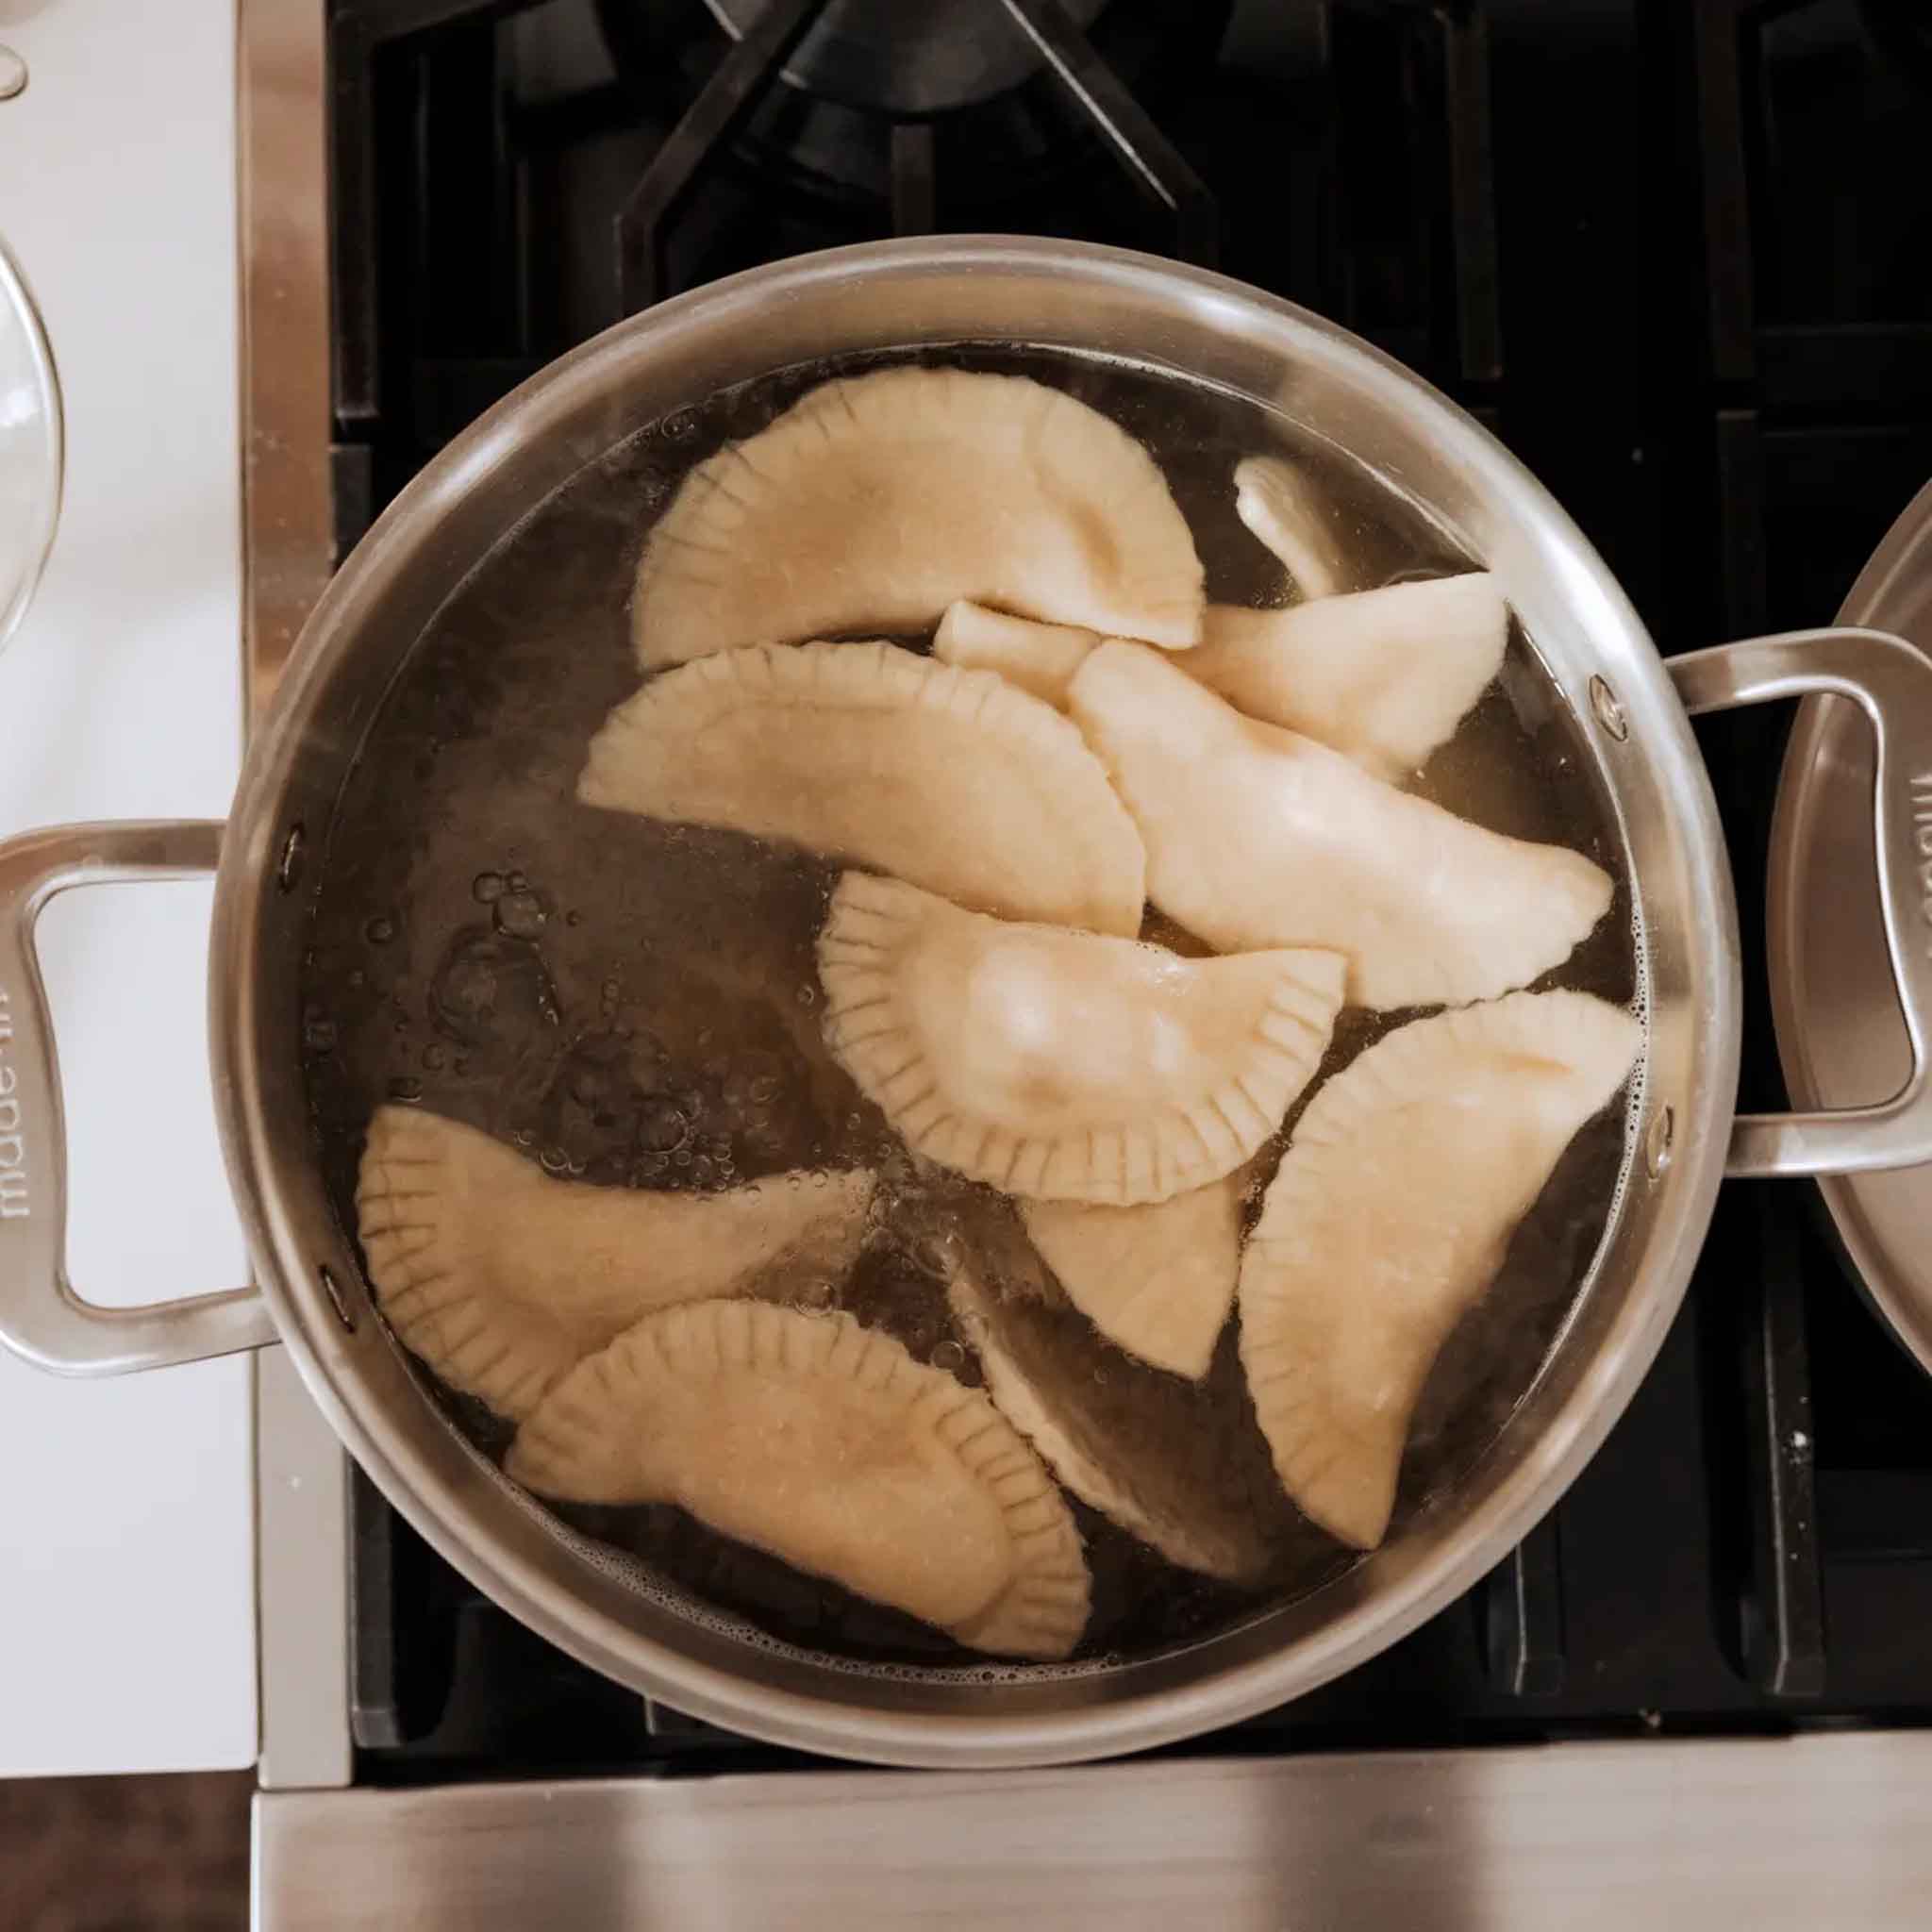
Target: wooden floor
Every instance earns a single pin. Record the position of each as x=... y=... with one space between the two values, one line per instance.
x=126 y=1853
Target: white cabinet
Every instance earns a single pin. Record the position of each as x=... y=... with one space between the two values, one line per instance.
x=126 y=1585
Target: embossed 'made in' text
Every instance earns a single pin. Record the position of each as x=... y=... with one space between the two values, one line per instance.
x=14 y=1203
x=1922 y=832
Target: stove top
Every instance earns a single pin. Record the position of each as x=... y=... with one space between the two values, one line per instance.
x=1671 y=253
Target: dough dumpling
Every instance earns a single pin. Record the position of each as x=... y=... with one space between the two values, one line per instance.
x=1039 y=657
x=1281 y=506
x=1389 y=1216
x=502 y=1278
x=1179 y=1464
x=1063 y=1065
x=875 y=501
x=1257 y=837
x=1382 y=676
x=949 y=778
x=826 y=1445
x=1156 y=1280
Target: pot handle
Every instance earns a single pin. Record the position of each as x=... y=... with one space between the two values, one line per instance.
x=1890 y=681
x=41 y=1316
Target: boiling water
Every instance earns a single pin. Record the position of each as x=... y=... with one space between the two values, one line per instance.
x=635 y=1005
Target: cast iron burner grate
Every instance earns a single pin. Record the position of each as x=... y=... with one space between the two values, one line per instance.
x=744 y=79
x=508 y=178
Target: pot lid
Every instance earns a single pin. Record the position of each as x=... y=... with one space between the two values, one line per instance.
x=29 y=446
x=1841 y=1034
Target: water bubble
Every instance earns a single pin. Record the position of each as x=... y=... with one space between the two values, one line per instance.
x=553 y=1161
x=488 y=984
x=318 y=1031
x=949 y=1355
x=819 y=1177
x=681 y=1158
x=663 y=1125
x=808 y=995
x=521 y=915
x=487 y=887
x=700 y=1169
x=402 y=1026
x=1100 y=1376
x=379 y=931
x=518 y=883
x=610 y=990
x=572 y=918
x=464 y=992
x=405 y=1088
x=433 y=1057
x=793 y=1180
x=763 y=1089
x=940 y=1252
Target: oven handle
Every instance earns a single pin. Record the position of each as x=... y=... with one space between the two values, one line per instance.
x=41 y=1316
x=1890 y=681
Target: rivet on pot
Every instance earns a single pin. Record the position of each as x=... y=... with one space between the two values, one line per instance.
x=289 y=869
x=1610 y=713
x=1657 y=1142
x=331 y=1287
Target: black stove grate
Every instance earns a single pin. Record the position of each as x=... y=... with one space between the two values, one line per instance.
x=749 y=70
x=494 y=201
x=1674 y=252
x=1818 y=302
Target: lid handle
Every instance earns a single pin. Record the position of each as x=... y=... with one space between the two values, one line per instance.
x=1890 y=681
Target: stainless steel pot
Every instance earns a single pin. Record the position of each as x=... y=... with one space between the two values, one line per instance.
x=934 y=292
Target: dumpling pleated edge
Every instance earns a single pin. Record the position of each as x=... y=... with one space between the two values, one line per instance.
x=875 y=925
x=1042 y=1610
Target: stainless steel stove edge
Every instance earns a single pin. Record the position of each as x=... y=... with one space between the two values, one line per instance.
x=302 y=1584
x=1824 y=1828
x=301 y=1522
x=288 y=517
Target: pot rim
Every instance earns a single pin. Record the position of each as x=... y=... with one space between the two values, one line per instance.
x=437 y=1503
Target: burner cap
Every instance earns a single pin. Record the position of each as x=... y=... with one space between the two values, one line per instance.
x=907 y=58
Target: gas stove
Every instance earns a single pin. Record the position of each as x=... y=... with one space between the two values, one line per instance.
x=1673 y=255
